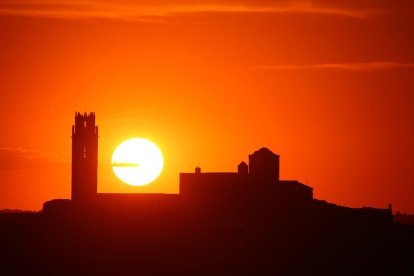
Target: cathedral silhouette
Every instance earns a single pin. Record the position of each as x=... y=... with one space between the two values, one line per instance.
x=254 y=189
x=246 y=222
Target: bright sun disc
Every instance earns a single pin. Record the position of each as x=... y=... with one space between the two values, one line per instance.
x=137 y=161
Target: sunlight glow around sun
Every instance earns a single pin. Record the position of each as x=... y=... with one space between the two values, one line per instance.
x=137 y=161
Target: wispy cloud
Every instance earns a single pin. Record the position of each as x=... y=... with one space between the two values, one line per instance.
x=72 y=9
x=31 y=154
x=125 y=165
x=361 y=66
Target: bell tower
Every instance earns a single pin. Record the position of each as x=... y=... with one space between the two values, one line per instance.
x=84 y=158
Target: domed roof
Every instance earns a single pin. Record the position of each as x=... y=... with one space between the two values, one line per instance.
x=264 y=151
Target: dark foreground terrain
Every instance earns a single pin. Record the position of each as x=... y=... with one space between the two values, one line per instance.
x=288 y=242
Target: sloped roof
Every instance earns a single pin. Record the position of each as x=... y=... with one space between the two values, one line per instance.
x=294 y=183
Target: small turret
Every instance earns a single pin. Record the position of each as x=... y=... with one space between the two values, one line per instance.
x=243 y=168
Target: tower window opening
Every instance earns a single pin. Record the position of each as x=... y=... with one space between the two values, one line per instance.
x=84 y=152
x=84 y=124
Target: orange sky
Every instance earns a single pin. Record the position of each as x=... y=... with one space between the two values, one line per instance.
x=328 y=85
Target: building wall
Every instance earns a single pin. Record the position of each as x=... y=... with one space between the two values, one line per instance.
x=211 y=184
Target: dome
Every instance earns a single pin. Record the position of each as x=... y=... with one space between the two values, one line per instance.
x=264 y=151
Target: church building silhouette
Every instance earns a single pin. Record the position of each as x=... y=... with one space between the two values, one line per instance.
x=255 y=188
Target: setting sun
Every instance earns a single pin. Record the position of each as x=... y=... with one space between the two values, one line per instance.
x=137 y=161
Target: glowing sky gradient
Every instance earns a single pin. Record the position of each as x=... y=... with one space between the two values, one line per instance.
x=328 y=85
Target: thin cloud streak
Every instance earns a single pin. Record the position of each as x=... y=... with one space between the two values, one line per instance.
x=124 y=165
x=357 y=67
x=32 y=154
x=123 y=11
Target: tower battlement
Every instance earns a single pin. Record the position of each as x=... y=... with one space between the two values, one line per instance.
x=84 y=122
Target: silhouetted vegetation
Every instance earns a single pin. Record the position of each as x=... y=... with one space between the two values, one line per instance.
x=8 y=211
x=404 y=218
x=194 y=242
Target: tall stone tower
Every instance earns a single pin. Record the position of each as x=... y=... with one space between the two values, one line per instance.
x=84 y=158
